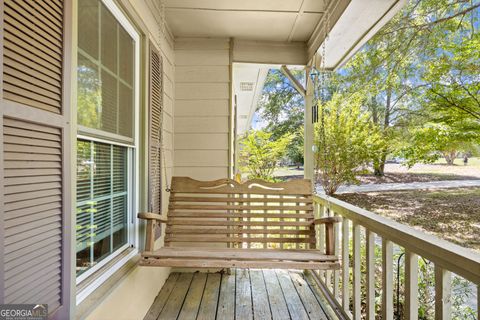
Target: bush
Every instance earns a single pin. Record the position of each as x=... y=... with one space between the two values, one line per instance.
x=259 y=155
x=345 y=140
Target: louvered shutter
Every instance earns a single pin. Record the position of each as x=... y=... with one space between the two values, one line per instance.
x=155 y=131
x=35 y=263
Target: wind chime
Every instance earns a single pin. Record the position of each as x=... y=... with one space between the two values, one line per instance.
x=320 y=77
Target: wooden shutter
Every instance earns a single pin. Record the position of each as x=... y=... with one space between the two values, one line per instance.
x=33 y=212
x=35 y=220
x=155 y=131
x=33 y=49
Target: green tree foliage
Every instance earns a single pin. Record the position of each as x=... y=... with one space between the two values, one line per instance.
x=295 y=147
x=345 y=140
x=429 y=142
x=282 y=108
x=260 y=153
x=424 y=61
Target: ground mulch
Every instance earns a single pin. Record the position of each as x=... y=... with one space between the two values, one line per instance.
x=451 y=214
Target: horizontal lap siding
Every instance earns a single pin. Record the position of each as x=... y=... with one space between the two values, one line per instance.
x=201 y=122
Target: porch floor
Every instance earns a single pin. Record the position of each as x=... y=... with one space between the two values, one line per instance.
x=244 y=294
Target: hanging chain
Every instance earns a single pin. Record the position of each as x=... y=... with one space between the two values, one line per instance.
x=161 y=135
x=323 y=67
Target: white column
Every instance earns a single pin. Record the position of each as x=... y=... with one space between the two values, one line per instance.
x=308 y=129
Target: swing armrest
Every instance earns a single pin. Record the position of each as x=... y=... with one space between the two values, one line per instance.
x=152 y=216
x=153 y=221
x=329 y=222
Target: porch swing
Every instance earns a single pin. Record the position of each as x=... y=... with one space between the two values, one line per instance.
x=227 y=224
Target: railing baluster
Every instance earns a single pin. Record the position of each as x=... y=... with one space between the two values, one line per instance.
x=321 y=235
x=328 y=273
x=443 y=290
x=411 y=285
x=336 y=273
x=357 y=311
x=387 y=279
x=345 y=266
x=370 y=282
x=453 y=258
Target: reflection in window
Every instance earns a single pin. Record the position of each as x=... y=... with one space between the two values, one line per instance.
x=101 y=201
x=106 y=54
x=105 y=115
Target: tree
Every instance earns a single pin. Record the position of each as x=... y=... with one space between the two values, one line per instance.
x=345 y=140
x=282 y=108
x=427 y=55
x=433 y=140
x=295 y=148
x=260 y=154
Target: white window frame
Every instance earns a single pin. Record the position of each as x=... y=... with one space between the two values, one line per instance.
x=133 y=167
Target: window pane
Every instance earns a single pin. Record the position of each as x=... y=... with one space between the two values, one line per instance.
x=109 y=40
x=102 y=201
x=89 y=94
x=88 y=24
x=109 y=102
x=126 y=120
x=105 y=72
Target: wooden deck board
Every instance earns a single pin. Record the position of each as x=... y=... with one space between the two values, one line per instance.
x=278 y=305
x=226 y=301
x=261 y=305
x=162 y=297
x=308 y=298
x=208 y=306
x=294 y=303
x=243 y=294
x=194 y=297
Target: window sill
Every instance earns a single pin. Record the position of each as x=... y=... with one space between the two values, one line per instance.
x=95 y=288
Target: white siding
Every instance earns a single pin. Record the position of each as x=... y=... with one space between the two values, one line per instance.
x=202 y=93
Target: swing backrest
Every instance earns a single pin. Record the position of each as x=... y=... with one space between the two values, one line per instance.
x=254 y=214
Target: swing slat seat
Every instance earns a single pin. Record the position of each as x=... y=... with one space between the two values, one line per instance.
x=257 y=224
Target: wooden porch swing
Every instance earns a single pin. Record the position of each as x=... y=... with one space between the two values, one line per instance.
x=255 y=224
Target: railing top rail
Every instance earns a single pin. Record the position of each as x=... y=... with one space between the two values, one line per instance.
x=462 y=261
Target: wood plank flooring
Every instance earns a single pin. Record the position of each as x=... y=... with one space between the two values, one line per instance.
x=245 y=294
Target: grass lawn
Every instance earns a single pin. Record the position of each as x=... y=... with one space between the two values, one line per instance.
x=451 y=214
x=439 y=171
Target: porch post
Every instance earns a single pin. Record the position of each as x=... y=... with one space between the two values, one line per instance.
x=308 y=165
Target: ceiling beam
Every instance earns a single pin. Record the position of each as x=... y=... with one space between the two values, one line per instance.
x=297 y=18
x=270 y=52
x=296 y=84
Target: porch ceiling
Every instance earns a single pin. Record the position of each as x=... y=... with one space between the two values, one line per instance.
x=272 y=20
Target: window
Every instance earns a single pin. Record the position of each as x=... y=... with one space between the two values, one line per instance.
x=106 y=101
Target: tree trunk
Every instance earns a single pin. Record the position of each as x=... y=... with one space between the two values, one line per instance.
x=450 y=157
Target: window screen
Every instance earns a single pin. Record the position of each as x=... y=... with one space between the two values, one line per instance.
x=106 y=54
x=102 y=203
x=106 y=145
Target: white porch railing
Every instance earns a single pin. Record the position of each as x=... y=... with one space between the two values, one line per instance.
x=360 y=233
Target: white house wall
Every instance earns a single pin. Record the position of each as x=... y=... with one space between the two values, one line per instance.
x=201 y=121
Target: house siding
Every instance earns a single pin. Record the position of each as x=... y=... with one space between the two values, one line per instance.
x=202 y=100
